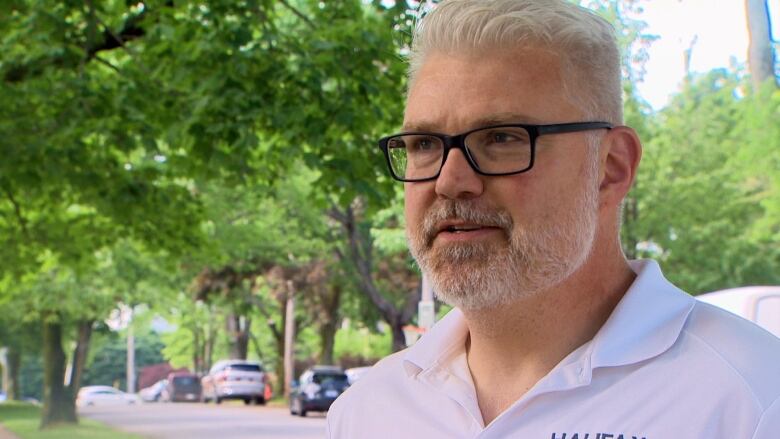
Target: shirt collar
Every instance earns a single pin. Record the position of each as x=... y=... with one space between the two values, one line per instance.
x=645 y=323
x=447 y=335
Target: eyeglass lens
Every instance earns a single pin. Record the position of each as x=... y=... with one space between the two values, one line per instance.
x=491 y=150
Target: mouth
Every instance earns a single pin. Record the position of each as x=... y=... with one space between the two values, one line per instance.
x=461 y=230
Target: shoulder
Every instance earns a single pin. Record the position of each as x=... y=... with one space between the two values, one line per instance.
x=385 y=374
x=739 y=348
x=358 y=403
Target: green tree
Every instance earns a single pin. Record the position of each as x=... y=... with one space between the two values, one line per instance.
x=699 y=203
x=112 y=111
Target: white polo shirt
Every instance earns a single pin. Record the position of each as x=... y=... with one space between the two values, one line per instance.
x=663 y=366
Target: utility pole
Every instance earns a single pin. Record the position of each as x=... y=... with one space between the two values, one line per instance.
x=130 y=354
x=4 y=367
x=289 y=337
x=426 y=312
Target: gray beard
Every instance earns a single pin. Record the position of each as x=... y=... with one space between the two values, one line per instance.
x=483 y=275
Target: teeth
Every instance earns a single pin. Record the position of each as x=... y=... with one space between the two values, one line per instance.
x=462 y=229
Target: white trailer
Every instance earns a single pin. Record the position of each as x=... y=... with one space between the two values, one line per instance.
x=760 y=305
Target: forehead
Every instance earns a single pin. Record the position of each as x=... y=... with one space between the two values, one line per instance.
x=456 y=92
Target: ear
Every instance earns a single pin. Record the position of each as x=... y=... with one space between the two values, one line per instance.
x=621 y=151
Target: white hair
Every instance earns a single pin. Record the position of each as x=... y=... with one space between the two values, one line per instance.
x=585 y=42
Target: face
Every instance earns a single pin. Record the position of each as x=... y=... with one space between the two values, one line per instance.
x=488 y=241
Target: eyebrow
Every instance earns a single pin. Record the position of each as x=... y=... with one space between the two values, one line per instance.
x=492 y=119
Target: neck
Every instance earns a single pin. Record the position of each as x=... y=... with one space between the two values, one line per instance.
x=513 y=347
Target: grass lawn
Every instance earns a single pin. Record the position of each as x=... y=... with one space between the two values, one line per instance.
x=23 y=420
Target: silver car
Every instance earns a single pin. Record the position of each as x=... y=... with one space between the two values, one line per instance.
x=235 y=379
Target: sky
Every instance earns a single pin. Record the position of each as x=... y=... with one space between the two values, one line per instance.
x=719 y=27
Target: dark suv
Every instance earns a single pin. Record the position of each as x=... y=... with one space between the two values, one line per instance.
x=316 y=390
x=182 y=386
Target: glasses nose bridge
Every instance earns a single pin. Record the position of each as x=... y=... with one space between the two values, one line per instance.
x=455 y=142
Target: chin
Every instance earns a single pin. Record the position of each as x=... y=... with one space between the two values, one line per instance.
x=499 y=279
x=471 y=285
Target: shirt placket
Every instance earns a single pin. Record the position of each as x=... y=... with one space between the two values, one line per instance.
x=571 y=374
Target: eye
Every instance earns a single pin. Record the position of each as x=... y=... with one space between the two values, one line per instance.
x=502 y=137
x=422 y=144
x=506 y=136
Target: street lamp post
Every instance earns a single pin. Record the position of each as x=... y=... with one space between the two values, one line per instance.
x=289 y=338
x=426 y=313
x=130 y=353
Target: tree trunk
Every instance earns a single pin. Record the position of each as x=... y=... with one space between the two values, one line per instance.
x=197 y=349
x=327 y=341
x=360 y=247
x=59 y=405
x=279 y=363
x=14 y=360
x=761 y=58
x=237 y=328
x=277 y=331
x=330 y=324
x=80 y=353
x=399 y=339
x=209 y=351
x=211 y=335
x=243 y=336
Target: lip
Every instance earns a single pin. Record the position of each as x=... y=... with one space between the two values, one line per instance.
x=458 y=231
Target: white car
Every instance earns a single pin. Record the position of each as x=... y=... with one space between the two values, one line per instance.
x=154 y=392
x=356 y=373
x=104 y=395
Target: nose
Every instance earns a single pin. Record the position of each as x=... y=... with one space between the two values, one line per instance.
x=457 y=179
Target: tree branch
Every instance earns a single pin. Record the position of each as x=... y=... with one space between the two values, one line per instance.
x=261 y=307
x=362 y=263
x=18 y=211
x=105 y=62
x=337 y=215
x=298 y=13
x=110 y=40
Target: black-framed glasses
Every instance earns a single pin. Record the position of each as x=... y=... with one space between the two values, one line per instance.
x=495 y=150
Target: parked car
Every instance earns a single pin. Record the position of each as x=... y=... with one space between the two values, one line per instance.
x=356 y=373
x=181 y=387
x=104 y=395
x=235 y=379
x=760 y=305
x=316 y=389
x=154 y=392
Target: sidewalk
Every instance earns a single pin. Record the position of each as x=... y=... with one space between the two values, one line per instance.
x=5 y=434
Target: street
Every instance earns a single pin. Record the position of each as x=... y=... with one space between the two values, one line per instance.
x=200 y=421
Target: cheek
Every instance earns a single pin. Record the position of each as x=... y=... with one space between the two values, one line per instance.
x=529 y=199
x=417 y=199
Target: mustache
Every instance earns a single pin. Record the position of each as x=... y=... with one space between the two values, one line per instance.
x=467 y=211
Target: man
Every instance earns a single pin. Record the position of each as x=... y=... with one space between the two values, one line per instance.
x=515 y=165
